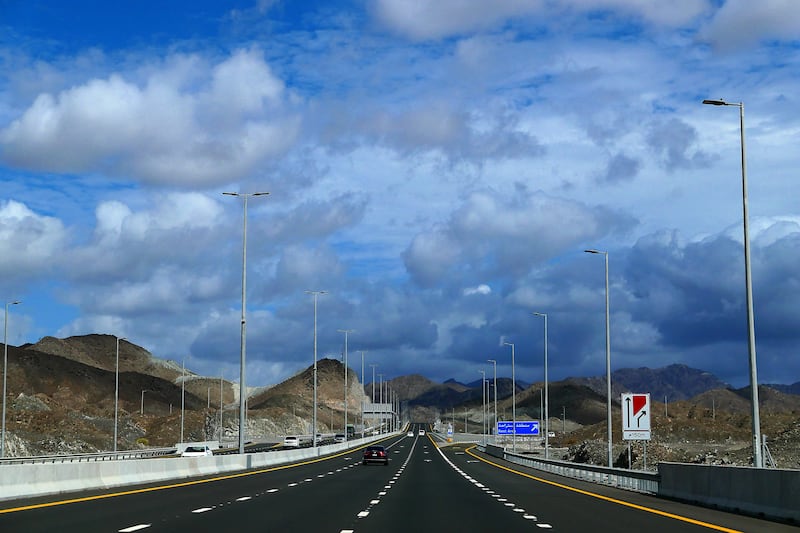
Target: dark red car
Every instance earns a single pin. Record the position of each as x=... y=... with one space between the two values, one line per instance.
x=375 y=454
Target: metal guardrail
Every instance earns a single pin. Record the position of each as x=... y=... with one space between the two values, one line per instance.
x=635 y=480
x=89 y=457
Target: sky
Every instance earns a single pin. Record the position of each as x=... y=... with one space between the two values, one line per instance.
x=438 y=167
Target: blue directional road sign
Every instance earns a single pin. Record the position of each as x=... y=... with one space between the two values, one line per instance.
x=524 y=427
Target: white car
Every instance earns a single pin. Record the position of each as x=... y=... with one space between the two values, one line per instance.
x=410 y=434
x=291 y=442
x=421 y=432
x=197 y=451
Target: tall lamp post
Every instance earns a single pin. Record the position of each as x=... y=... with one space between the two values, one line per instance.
x=345 y=331
x=183 y=393
x=513 y=398
x=363 y=426
x=116 y=394
x=380 y=393
x=483 y=403
x=243 y=342
x=758 y=460
x=608 y=359
x=5 y=374
x=141 y=407
x=314 y=418
x=494 y=364
x=373 y=365
x=546 y=394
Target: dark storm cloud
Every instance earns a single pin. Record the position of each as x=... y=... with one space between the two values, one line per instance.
x=674 y=141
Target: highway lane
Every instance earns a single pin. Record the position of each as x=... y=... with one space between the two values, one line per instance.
x=573 y=505
x=449 y=489
x=321 y=495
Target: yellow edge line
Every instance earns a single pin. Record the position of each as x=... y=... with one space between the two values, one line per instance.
x=178 y=485
x=606 y=498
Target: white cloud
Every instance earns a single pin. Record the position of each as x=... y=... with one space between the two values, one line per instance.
x=741 y=23
x=432 y=19
x=186 y=124
x=28 y=241
x=435 y=19
x=480 y=289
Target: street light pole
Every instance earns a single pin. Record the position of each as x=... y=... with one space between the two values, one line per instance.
x=513 y=398
x=758 y=460
x=483 y=402
x=362 y=394
x=5 y=377
x=494 y=364
x=141 y=408
x=221 y=404
x=380 y=391
x=116 y=394
x=546 y=393
x=608 y=360
x=243 y=341
x=314 y=418
x=345 y=331
x=183 y=392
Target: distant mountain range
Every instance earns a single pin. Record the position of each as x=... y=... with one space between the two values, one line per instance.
x=674 y=382
x=61 y=394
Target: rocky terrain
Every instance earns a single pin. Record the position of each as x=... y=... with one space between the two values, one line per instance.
x=61 y=400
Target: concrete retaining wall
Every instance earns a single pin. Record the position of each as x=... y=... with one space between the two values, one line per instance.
x=771 y=493
x=28 y=480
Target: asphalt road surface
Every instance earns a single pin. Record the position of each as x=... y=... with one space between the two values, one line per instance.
x=452 y=489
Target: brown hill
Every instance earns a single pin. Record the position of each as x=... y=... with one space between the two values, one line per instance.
x=100 y=351
x=297 y=392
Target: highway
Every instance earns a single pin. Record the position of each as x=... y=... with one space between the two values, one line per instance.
x=448 y=489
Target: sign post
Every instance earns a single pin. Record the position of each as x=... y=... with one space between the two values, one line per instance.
x=636 y=416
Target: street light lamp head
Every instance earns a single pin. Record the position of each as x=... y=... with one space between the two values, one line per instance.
x=715 y=102
x=508 y=343
x=593 y=251
x=245 y=194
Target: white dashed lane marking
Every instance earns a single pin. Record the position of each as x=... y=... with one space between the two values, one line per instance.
x=491 y=493
x=134 y=528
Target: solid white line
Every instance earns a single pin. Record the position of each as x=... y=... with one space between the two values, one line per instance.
x=134 y=528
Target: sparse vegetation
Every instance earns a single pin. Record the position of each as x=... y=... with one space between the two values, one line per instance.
x=62 y=401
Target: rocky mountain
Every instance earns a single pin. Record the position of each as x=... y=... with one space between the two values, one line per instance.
x=675 y=382
x=61 y=399
x=794 y=388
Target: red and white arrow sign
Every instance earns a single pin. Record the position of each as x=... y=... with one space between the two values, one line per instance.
x=636 y=416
